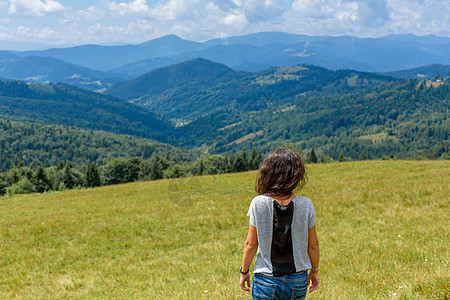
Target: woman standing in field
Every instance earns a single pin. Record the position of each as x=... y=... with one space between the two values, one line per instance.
x=282 y=232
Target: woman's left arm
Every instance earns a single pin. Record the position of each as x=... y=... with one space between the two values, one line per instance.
x=250 y=248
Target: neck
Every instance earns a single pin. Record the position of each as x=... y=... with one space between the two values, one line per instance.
x=282 y=198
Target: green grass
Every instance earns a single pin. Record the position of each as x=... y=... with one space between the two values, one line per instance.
x=377 y=138
x=382 y=228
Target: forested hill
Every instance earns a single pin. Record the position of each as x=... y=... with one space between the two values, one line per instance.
x=345 y=111
x=406 y=119
x=186 y=91
x=219 y=110
x=34 y=144
x=66 y=105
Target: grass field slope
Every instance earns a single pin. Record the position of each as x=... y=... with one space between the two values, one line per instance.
x=382 y=228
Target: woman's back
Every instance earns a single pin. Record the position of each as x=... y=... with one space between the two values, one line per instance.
x=261 y=212
x=281 y=233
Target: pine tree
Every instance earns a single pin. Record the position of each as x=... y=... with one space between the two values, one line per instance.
x=312 y=158
x=341 y=157
x=231 y=164
x=363 y=155
x=68 y=180
x=92 y=176
x=40 y=180
x=156 y=167
x=241 y=163
x=255 y=159
x=14 y=177
x=201 y=167
x=60 y=165
x=3 y=184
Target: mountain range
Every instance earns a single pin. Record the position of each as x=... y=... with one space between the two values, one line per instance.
x=51 y=70
x=98 y=67
x=186 y=91
x=67 y=105
x=207 y=106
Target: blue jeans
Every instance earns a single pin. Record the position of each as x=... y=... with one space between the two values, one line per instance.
x=286 y=287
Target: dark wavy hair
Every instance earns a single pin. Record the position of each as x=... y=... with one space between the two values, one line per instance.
x=281 y=172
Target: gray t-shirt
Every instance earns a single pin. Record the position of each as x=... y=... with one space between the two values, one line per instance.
x=261 y=217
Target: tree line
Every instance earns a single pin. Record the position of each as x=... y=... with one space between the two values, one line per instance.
x=35 y=144
x=21 y=179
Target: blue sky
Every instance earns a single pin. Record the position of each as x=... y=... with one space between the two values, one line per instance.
x=72 y=22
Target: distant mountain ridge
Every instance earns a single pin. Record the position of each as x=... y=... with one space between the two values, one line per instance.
x=259 y=51
x=424 y=72
x=109 y=57
x=46 y=69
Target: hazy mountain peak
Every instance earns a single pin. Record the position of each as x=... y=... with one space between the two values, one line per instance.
x=7 y=55
x=165 y=38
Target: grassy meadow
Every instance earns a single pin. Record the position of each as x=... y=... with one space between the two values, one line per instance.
x=383 y=228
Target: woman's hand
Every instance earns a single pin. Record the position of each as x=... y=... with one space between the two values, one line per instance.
x=245 y=278
x=313 y=280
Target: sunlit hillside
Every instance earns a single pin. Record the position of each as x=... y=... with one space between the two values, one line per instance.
x=382 y=227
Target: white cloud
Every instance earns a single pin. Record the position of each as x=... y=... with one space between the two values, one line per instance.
x=198 y=19
x=132 y=21
x=131 y=8
x=368 y=17
x=4 y=5
x=34 y=7
x=3 y=32
x=423 y=17
x=322 y=17
x=263 y=10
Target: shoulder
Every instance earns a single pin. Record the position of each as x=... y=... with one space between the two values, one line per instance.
x=303 y=201
x=261 y=199
x=260 y=202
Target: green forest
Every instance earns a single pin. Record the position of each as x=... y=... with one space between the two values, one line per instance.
x=200 y=117
x=63 y=104
x=21 y=179
x=406 y=119
x=34 y=144
x=187 y=91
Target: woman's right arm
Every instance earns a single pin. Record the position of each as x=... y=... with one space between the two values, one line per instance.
x=313 y=252
x=250 y=249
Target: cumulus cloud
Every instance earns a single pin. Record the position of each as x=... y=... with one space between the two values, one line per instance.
x=134 y=21
x=424 y=17
x=368 y=17
x=373 y=13
x=3 y=32
x=34 y=7
x=130 y=8
x=201 y=18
